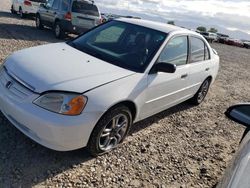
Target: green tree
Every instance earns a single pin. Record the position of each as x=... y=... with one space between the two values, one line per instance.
x=213 y=30
x=201 y=29
x=171 y=22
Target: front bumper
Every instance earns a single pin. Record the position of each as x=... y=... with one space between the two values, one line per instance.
x=54 y=131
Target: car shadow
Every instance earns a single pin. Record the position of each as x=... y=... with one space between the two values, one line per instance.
x=25 y=163
x=26 y=33
x=26 y=30
x=7 y=14
x=159 y=116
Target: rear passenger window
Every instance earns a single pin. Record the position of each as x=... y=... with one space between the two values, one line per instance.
x=199 y=50
x=56 y=4
x=65 y=5
x=175 y=52
x=207 y=55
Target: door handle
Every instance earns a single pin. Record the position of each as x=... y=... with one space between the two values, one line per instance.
x=207 y=69
x=184 y=76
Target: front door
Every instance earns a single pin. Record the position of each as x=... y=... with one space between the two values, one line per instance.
x=167 y=89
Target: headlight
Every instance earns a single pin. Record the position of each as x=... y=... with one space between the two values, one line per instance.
x=62 y=103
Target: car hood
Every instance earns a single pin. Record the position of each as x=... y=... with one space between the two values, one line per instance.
x=59 y=67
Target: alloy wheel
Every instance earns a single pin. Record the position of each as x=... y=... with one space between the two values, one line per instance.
x=113 y=132
x=57 y=30
x=203 y=91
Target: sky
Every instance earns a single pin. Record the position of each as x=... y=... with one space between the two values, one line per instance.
x=228 y=16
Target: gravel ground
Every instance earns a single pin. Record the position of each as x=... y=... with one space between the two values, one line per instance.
x=184 y=146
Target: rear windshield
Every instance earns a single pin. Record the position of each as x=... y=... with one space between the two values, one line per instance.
x=38 y=1
x=85 y=8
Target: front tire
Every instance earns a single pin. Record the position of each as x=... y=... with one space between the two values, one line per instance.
x=110 y=131
x=201 y=93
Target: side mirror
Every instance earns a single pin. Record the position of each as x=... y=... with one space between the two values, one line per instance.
x=239 y=113
x=165 y=67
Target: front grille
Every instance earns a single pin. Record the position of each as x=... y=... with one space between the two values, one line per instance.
x=15 y=88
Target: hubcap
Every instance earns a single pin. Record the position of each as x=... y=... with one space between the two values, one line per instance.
x=113 y=132
x=37 y=22
x=203 y=92
x=57 y=30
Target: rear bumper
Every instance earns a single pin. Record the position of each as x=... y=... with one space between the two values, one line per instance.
x=69 y=27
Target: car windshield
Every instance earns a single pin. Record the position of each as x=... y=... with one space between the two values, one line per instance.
x=122 y=44
x=85 y=8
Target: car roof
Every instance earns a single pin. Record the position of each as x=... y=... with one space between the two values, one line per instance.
x=163 y=27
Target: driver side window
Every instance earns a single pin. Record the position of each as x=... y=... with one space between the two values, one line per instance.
x=176 y=51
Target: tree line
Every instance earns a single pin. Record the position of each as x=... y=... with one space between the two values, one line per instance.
x=200 y=28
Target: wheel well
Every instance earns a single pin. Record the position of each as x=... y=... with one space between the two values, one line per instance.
x=210 y=78
x=131 y=106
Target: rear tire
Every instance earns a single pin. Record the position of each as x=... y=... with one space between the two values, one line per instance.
x=58 y=31
x=39 y=24
x=110 y=131
x=199 y=97
x=12 y=10
x=22 y=15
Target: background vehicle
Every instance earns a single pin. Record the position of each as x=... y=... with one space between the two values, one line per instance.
x=237 y=173
x=234 y=42
x=68 y=16
x=25 y=7
x=210 y=37
x=222 y=38
x=246 y=45
x=89 y=91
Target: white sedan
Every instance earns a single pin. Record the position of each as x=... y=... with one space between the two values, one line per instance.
x=89 y=91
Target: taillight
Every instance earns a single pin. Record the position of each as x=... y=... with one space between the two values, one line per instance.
x=99 y=21
x=27 y=3
x=68 y=16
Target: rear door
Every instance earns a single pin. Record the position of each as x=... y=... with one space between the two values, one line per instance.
x=200 y=64
x=53 y=11
x=44 y=12
x=85 y=14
